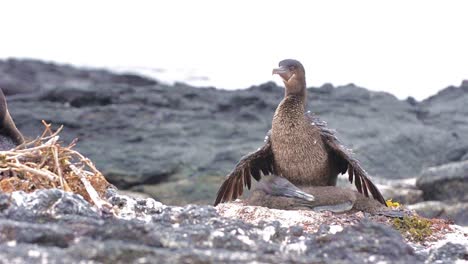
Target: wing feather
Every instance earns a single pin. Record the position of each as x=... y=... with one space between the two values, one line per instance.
x=350 y=173
x=247 y=180
x=252 y=165
x=347 y=162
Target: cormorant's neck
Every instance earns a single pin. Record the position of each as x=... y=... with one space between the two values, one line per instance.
x=296 y=86
x=296 y=92
x=295 y=101
x=11 y=131
x=291 y=109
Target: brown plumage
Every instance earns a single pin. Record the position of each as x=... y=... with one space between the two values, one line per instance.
x=299 y=147
x=327 y=198
x=276 y=192
x=10 y=136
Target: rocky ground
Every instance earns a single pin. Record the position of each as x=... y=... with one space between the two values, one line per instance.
x=52 y=226
x=175 y=143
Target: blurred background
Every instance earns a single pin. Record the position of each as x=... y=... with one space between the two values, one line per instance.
x=134 y=81
x=406 y=48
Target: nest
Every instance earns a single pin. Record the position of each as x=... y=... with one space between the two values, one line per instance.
x=44 y=164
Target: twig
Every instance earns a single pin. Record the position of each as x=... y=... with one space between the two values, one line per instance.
x=43 y=163
x=50 y=142
x=100 y=203
x=63 y=182
x=44 y=173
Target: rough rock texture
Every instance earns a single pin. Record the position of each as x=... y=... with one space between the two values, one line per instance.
x=449 y=253
x=177 y=142
x=51 y=226
x=448 y=182
x=403 y=191
x=443 y=189
x=458 y=212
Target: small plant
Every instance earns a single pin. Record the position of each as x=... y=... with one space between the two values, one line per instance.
x=392 y=204
x=414 y=228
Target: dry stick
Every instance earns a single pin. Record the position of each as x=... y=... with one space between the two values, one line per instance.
x=44 y=173
x=42 y=138
x=86 y=161
x=47 y=129
x=25 y=153
x=73 y=143
x=55 y=134
x=7 y=152
x=45 y=151
x=51 y=141
x=63 y=182
x=15 y=155
x=45 y=156
x=100 y=203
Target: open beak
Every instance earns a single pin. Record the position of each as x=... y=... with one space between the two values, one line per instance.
x=284 y=72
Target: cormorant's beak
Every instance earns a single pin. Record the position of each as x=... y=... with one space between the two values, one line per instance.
x=298 y=194
x=279 y=186
x=284 y=72
x=282 y=187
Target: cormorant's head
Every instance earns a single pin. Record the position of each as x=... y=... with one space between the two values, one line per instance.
x=293 y=74
x=280 y=186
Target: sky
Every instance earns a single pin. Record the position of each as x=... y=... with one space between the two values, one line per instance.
x=408 y=48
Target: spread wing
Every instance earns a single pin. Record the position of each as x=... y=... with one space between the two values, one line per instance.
x=251 y=165
x=346 y=161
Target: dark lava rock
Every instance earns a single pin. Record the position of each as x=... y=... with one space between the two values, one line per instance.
x=403 y=196
x=457 y=212
x=448 y=253
x=141 y=133
x=403 y=191
x=357 y=244
x=77 y=98
x=448 y=182
x=37 y=228
x=23 y=76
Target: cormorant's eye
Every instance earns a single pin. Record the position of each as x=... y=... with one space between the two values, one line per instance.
x=292 y=68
